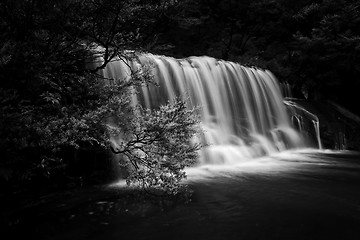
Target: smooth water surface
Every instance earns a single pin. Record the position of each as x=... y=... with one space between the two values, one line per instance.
x=292 y=195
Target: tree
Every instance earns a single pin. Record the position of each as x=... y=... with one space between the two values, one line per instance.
x=158 y=146
x=326 y=51
x=53 y=102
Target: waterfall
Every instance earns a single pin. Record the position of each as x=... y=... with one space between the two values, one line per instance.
x=286 y=90
x=241 y=108
x=317 y=131
x=302 y=118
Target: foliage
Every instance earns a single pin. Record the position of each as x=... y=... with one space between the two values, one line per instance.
x=326 y=52
x=157 y=146
x=313 y=45
x=53 y=102
x=222 y=29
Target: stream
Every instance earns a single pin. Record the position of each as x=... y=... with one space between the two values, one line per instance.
x=307 y=194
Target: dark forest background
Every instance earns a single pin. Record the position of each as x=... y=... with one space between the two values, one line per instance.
x=52 y=102
x=313 y=45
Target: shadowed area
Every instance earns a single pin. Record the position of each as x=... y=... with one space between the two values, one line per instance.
x=307 y=194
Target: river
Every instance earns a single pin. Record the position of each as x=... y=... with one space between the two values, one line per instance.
x=307 y=194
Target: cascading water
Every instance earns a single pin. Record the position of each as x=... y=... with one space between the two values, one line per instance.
x=298 y=115
x=286 y=90
x=317 y=131
x=242 y=111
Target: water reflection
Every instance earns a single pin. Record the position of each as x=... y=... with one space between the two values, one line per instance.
x=308 y=194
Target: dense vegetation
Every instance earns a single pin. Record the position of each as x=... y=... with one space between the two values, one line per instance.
x=312 y=44
x=58 y=116
x=53 y=105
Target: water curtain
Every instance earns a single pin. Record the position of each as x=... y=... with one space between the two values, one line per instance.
x=241 y=108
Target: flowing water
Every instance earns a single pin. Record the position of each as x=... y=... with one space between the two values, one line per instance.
x=300 y=116
x=255 y=179
x=241 y=108
x=304 y=194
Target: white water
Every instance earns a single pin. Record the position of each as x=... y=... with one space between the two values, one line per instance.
x=297 y=116
x=317 y=131
x=242 y=111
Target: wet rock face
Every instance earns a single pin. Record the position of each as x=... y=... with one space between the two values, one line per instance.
x=339 y=128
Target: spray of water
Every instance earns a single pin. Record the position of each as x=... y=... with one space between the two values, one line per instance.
x=241 y=108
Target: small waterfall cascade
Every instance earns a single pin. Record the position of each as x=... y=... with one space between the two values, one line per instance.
x=302 y=118
x=317 y=131
x=286 y=90
x=242 y=112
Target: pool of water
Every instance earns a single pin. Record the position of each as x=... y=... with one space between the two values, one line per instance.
x=307 y=194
